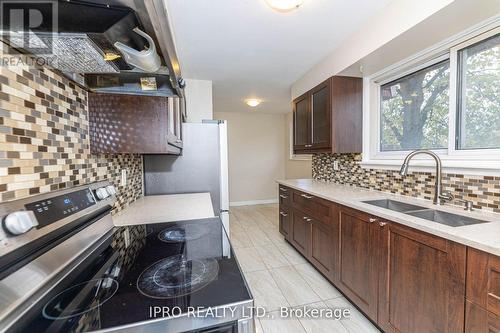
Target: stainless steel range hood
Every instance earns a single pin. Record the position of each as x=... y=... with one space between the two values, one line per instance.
x=103 y=41
x=153 y=16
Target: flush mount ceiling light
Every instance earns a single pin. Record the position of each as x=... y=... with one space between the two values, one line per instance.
x=284 y=5
x=252 y=102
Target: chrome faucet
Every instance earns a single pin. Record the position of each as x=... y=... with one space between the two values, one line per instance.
x=439 y=196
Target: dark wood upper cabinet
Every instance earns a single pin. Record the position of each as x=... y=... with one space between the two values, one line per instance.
x=347 y=114
x=301 y=130
x=422 y=282
x=328 y=118
x=134 y=124
x=320 y=116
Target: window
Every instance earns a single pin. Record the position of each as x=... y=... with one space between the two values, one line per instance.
x=478 y=125
x=414 y=110
x=445 y=98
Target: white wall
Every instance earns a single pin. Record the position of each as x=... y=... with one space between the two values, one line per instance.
x=393 y=20
x=199 y=102
x=256 y=143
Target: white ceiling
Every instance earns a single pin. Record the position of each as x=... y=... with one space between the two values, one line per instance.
x=249 y=50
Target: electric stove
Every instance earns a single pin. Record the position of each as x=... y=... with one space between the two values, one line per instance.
x=166 y=277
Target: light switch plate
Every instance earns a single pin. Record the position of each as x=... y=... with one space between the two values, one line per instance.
x=336 y=165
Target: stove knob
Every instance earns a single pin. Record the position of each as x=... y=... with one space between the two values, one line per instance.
x=18 y=223
x=102 y=193
x=111 y=189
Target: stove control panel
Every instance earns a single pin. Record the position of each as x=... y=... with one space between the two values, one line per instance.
x=59 y=207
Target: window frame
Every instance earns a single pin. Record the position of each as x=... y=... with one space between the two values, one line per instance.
x=455 y=95
x=467 y=161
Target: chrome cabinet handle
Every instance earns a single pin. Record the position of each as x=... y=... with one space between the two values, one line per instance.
x=372 y=220
x=308 y=146
x=306 y=196
x=283 y=196
x=307 y=219
x=283 y=189
x=382 y=224
x=283 y=214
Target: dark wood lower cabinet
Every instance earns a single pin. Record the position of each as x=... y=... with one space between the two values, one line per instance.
x=403 y=279
x=285 y=222
x=478 y=320
x=301 y=231
x=422 y=282
x=358 y=253
x=322 y=252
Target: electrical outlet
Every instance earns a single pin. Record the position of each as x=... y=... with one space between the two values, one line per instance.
x=336 y=165
x=124 y=177
x=126 y=237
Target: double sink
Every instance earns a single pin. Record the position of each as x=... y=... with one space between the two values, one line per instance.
x=449 y=219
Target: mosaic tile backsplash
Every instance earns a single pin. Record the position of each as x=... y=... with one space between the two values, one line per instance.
x=483 y=191
x=44 y=138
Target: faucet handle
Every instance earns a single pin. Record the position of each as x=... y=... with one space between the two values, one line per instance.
x=468 y=205
x=447 y=196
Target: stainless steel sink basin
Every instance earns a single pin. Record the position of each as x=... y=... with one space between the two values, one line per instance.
x=452 y=220
x=394 y=205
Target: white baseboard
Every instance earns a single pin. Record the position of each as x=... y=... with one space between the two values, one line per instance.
x=253 y=202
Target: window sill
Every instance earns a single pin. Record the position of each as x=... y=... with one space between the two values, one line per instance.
x=465 y=167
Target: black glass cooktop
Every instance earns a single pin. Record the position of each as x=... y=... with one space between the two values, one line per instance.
x=179 y=265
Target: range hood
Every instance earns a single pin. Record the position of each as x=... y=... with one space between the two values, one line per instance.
x=107 y=47
x=82 y=37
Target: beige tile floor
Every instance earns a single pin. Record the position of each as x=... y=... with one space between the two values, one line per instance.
x=280 y=277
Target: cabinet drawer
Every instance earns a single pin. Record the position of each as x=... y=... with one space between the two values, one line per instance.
x=314 y=206
x=478 y=320
x=483 y=280
x=285 y=195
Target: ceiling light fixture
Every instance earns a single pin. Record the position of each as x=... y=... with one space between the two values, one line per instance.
x=252 y=102
x=284 y=5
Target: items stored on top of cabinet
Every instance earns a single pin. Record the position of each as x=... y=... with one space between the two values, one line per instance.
x=328 y=118
x=135 y=124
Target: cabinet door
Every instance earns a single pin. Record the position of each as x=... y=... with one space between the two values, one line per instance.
x=301 y=231
x=422 y=282
x=347 y=114
x=358 y=273
x=301 y=123
x=478 y=320
x=320 y=116
x=322 y=247
x=285 y=222
x=483 y=280
x=129 y=124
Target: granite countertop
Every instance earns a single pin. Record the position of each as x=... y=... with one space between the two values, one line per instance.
x=166 y=208
x=484 y=236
